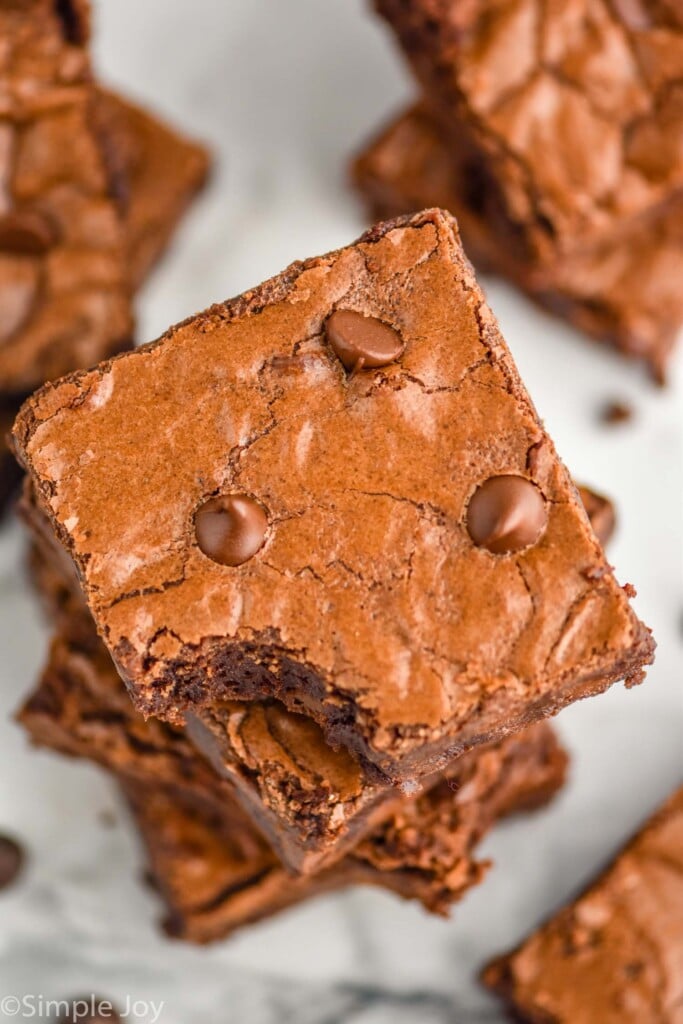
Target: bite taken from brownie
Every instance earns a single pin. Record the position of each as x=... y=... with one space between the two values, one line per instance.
x=334 y=491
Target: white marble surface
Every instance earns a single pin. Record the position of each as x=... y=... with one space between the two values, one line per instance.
x=284 y=91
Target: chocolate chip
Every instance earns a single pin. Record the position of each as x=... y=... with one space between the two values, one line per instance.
x=616 y=412
x=11 y=861
x=601 y=514
x=362 y=341
x=231 y=528
x=26 y=233
x=506 y=514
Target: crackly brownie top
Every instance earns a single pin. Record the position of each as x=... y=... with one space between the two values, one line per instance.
x=616 y=955
x=63 y=285
x=580 y=103
x=255 y=481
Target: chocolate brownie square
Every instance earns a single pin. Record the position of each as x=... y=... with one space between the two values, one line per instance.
x=64 y=287
x=616 y=953
x=624 y=292
x=334 y=491
x=573 y=111
x=159 y=174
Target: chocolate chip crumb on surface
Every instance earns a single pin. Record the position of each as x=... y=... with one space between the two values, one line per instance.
x=616 y=411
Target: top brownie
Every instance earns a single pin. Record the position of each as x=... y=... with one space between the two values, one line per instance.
x=334 y=490
x=64 y=288
x=573 y=111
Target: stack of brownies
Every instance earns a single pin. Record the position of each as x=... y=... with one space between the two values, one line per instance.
x=552 y=132
x=316 y=574
x=92 y=190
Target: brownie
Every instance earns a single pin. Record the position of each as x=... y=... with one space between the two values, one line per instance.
x=310 y=801
x=334 y=491
x=615 y=955
x=624 y=292
x=159 y=173
x=64 y=287
x=409 y=165
x=216 y=874
x=574 y=110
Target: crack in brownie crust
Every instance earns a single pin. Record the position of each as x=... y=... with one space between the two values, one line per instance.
x=368 y=606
